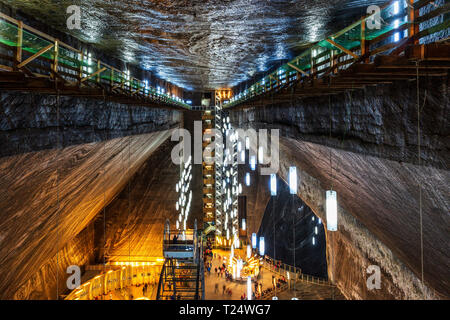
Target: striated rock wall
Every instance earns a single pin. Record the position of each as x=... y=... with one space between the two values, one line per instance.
x=378 y=221
x=29 y=122
x=43 y=284
x=133 y=223
x=374 y=150
x=380 y=121
x=48 y=197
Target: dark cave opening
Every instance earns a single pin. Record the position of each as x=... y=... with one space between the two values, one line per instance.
x=291 y=215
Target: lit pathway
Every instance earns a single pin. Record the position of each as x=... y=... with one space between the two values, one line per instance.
x=305 y=291
x=237 y=288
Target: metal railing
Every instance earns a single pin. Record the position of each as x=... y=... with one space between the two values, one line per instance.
x=292 y=273
x=400 y=25
x=51 y=58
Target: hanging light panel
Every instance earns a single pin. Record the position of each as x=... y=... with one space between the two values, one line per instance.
x=261 y=246
x=247 y=179
x=273 y=184
x=261 y=155
x=293 y=180
x=253 y=163
x=249 y=288
x=254 y=240
x=331 y=208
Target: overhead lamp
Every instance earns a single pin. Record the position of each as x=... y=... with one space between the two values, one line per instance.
x=331 y=210
x=273 y=184
x=249 y=288
x=261 y=246
x=253 y=163
x=293 y=180
x=243 y=156
x=247 y=179
x=249 y=251
x=260 y=155
x=254 y=240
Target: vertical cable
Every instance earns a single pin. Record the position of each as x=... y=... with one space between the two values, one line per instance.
x=293 y=234
x=420 y=186
x=104 y=188
x=57 y=194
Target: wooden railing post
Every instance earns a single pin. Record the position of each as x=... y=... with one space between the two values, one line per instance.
x=413 y=26
x=55 y=59
x=112 y=78
x=19 y=43
x=80 y=72
x=98 y=68
x=364 y=43
x=313 y=76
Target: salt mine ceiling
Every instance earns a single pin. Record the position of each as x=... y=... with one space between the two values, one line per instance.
x=200 y=44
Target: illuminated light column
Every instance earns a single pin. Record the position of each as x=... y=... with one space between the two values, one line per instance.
x=253 y=163
x=249 y=251
x=331 y=210
x=293 y=180
x=261 y=155
x=254 y=240
x=247 y=179
x=273 y=184
x=249 y=288
x=261 y=246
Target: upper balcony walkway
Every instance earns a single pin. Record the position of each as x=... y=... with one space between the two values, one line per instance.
x=410 y=41
x=31 y=60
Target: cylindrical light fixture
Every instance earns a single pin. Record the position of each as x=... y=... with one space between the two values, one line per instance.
x=247 y=179
x=249 y=288
x=254 y=240
x=293 y=180
x=331 y=208
x=261 y=155
x=253 y=163
x=261 y=246
x=273 y=184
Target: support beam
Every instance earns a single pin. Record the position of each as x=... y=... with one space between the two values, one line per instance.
x=34 y=56
x=342 y=48
x=93 y=74
x=297 y=69
x=19 y=42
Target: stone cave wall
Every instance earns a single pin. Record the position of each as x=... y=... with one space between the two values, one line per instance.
x=278 y=225
x=53 y=183
x=373 y=145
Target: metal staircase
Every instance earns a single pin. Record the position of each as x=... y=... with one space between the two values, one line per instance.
x=182 y=275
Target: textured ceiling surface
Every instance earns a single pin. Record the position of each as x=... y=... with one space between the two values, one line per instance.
x=201 y=44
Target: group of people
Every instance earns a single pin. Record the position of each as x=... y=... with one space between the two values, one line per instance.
x=225 y=290
x=222 y=270
x=259 y=293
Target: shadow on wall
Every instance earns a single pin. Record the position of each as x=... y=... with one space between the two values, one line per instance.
x=291 y=214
